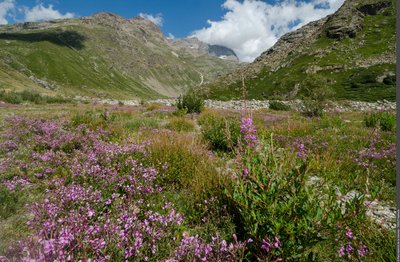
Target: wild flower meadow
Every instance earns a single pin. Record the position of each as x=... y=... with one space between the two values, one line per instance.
x=87 y=186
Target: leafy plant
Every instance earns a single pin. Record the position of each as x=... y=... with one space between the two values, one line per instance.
x=315 y=92
x=385 y=120
x=371 y=120
x=223 y=133
x=273 y=203
x=190 y=102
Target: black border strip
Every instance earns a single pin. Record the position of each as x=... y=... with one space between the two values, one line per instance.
x=397 y=133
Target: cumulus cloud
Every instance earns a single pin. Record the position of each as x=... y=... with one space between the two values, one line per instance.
x=156 y=19
x=250 y=27
x=5 y=8
x=42 y=13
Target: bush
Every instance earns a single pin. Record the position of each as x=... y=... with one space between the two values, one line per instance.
x=315 y=93
x=385 y=120
x=279 y=106
x=274 y=205
x=30 y=96
x=313 y=108
x=371 y=120
x=190 y=102
x=10 y=97
x=223 y=133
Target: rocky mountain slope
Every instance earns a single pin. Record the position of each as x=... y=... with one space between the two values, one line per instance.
x=351 y=52
x=103 y=55
x=195 y=46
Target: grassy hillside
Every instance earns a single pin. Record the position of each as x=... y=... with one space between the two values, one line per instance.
x=361 y=67
x=102 y=56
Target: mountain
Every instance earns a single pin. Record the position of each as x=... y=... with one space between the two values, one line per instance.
x=351 y=52
x=194 y=45
x=103 y=55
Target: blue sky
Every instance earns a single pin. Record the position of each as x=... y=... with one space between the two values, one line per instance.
x=180 y=17
x=249 y=27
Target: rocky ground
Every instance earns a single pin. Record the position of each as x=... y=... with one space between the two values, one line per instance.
x=380 y=212
x=341 y=106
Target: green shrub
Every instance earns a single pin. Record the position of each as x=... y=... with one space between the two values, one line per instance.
x=190 y=102
x=271 y=198
x=223 y=133
x=9 y=202
x=180 y=124
x=30 y=96
x=10 y=97
x=385 y=120
x=371 y=120
x=313 y=108
x=279 y=106
x=315 y=92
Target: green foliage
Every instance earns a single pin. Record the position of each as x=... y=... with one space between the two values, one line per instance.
x=190 y=102
x=388 y=121
x=385 y=120
x=180 y=124
x=30 y=96
x=179 y=113
x=279 y=106
x=271 y=198
x=10 y=97
x=371 y=120
x=315 y=96
x=9 y=202
x=223 y=133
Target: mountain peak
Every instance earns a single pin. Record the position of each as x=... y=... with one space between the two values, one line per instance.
x=193 y=44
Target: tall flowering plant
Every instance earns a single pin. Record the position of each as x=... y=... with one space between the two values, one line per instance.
x=249 y=132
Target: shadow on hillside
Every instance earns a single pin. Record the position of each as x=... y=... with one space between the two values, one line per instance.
x=70 y=39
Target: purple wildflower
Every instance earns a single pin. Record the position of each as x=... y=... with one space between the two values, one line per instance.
x=249 y=131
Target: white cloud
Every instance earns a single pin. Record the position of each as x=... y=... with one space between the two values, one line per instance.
x=42 y=13
x=250 y=27
x=5 y=7
x=156 y=19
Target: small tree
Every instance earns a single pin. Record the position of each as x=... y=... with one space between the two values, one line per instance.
x=315 y=95
x=190 y=102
